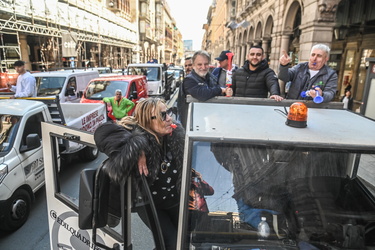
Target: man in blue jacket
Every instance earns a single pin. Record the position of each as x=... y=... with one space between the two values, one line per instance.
x=200 y=84
x=312 y=76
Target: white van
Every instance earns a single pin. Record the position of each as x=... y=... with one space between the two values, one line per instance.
x=68 y=84
x=21 y=151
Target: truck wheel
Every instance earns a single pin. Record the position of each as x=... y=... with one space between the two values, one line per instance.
x=89 y=153
x=17 y=210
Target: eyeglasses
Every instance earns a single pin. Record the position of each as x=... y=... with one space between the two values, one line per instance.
x=255 y=54
x=164 y=114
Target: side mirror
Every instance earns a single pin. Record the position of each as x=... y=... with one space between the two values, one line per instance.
x=134 y=95
x=32 y=142
x=70 y=91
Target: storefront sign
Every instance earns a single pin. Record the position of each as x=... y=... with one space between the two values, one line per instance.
x=69 y=44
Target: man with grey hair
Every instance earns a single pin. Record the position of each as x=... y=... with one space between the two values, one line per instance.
x=200 y=84
x=120 y=105
x=312 y=77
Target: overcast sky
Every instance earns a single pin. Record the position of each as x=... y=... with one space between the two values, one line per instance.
x=190 y=15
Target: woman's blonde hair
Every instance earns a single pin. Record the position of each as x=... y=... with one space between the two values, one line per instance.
x=143 y=113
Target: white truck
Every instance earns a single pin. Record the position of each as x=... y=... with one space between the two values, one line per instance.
x=160 y=82
x=21 y=151
x=67 y=85
x=312 y=183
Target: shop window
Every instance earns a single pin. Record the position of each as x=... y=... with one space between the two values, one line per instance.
x=362 y=73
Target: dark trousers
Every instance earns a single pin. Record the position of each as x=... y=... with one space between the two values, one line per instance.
x=168 y=219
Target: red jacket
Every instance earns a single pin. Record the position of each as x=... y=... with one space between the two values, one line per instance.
x=196 y=195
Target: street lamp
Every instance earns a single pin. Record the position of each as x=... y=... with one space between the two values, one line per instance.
x=340 y=32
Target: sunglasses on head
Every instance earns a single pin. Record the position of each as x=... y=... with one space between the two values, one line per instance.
x=164 y=114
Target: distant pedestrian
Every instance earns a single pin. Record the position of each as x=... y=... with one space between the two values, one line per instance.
x=26 y=83
x=347 y=99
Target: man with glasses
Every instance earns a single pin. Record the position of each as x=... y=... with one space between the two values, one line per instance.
x=119 y=104
x=255 y=78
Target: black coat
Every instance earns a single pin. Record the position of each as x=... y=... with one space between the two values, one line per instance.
x=123 y=148
x=257 y=83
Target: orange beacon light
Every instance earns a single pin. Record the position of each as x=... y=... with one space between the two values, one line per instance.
x=297 y=115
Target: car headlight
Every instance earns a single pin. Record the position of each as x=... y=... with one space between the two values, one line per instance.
x=3 y=171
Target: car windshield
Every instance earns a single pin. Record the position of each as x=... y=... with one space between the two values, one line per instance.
x=152 y=73
x=97 y=90
x=47 y=85
x=8 y=131
x=310 y=198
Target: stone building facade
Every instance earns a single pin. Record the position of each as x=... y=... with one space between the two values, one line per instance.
x=53 y=34
x=347 y=26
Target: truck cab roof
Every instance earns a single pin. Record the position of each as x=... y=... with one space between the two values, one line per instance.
x=327 y=128
x=154 y=65
x=60 y=73
x=18 y=107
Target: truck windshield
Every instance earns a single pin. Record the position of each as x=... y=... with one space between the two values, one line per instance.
x=47 y=86
x=8 y=131
x=311 y=198
x=152 y=73
x=97 y=90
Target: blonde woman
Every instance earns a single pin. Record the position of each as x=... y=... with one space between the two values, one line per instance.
x=149 y=144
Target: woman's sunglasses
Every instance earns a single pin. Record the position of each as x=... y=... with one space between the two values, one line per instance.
x=164 y=114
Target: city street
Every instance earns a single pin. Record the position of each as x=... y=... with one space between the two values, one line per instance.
x=34 y=235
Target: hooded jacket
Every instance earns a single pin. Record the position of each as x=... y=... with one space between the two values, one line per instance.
x=257 y=83
x=123 y=148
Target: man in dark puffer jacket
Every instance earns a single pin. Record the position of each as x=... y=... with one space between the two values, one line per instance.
x=255 y=78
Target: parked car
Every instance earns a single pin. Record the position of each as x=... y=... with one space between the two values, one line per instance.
x=21 y=151
x=179 y=75
x=132 y=87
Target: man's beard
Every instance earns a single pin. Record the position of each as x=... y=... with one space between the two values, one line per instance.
x=202 y=74
x=255 y=65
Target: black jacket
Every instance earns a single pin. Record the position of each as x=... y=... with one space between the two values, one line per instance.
x=123 y=147
x=257 y=83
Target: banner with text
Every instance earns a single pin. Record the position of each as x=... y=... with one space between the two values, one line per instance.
x=69 y=44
